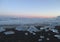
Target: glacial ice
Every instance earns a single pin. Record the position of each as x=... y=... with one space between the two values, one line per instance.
x=2 y=29
x=32 y=29
x=20 y=28
x=58 y=36
x=9 y=32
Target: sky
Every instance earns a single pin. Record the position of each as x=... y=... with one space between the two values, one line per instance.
x=30 y=8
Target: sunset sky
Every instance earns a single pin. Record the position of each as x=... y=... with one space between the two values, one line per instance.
x=30 y=8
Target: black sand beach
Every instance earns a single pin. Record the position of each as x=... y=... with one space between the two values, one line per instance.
x=26 y=36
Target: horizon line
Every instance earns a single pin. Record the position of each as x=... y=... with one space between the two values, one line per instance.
x=29 y=16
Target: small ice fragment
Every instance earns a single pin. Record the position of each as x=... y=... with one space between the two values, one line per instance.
x=41 y=36
x=34 y=33
x=26 y=33
x=39 y=39
x=41 y=28
x=47 y=38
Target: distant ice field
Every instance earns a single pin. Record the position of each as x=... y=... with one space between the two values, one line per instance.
x=28 y=20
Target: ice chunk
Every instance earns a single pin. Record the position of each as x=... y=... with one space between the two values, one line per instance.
x=46 y=30
x=20 y=28
x=2 y=29
x=32 y=29
x=54 y=30
x=8 y=32
x=58 y=36
x=41 y=28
